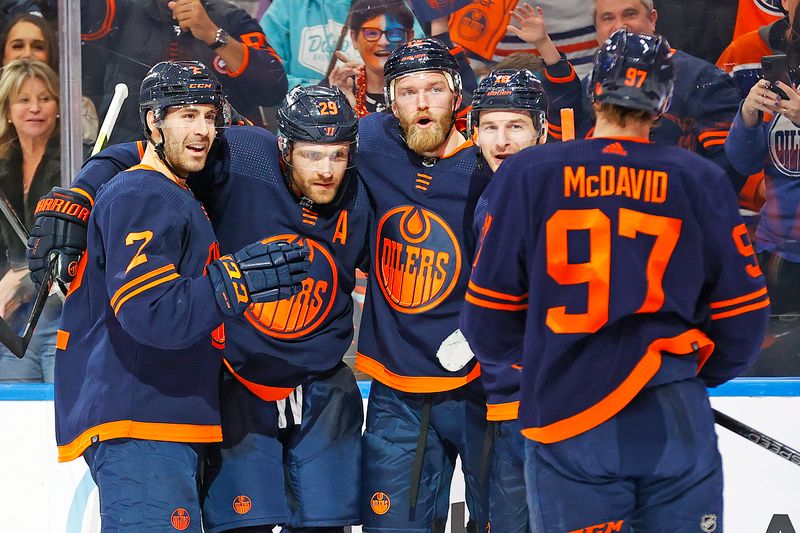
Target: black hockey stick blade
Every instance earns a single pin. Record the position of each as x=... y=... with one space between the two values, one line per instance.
x=756 y=437
x=19 y=344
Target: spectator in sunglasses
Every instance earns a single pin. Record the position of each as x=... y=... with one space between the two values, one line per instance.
x=376 y=27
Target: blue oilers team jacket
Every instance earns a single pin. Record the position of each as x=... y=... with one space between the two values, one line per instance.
x=135 y=358
x=608 y=265
x=275 y=346
x=421 y=247
x=703 y=104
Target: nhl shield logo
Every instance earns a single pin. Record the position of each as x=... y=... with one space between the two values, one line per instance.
x=242 y=504
x=380 y=503
x=708 y=523
x=180 y=519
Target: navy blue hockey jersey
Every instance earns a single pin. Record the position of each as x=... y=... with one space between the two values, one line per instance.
x=611 y=265
x=701 y=110
x=274 y=346
x=134 y=355
x=422 y=243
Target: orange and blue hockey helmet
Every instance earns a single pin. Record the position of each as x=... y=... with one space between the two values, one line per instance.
x=634 y=71
x=507 y=89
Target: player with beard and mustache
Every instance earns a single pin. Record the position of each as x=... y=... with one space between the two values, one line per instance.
x=424 y=180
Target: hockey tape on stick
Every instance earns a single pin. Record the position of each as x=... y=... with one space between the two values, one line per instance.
x=120 y=94
x=756 y=437
x=567 y=124
x=454 y=353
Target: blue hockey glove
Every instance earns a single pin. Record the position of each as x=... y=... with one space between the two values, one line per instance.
x=258 y=273
x=59 y=229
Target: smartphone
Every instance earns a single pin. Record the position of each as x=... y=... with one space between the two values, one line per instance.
x=776 y=68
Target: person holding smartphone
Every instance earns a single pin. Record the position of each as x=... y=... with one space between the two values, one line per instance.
x=766 y=133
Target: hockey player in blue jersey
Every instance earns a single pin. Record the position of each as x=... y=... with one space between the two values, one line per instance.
x=292 y=412
x=508 y=114
x=424 y=181
x=136 y=389
x=701 y=110
x=303 y=408
x=619 y=274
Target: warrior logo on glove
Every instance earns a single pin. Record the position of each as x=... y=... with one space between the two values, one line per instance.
x=59 y=230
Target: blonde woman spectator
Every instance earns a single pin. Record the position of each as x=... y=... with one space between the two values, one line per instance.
x=29 y=168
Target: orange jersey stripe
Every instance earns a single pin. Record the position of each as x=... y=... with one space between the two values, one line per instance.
x=140 y=279
x=139 y=430
x=265 y=392
x=243 y=66
x=733 y=301
x=715 y=142
x=741 y=310
x=105 y=27
x=499 y=412
x=62 y=339
x=569 y=77
x=84 y=193
x=494 y=305
x=626 y=391
x=712 y=133
x=143 y=288
x=495 y=294
x=416 y=384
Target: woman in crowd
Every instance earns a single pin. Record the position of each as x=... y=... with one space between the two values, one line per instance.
x=376 y=27
x=30 y=36
x=29 y=168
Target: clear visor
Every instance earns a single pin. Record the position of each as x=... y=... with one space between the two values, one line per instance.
x=322 y=158
x=424 y=89
x=506 y=133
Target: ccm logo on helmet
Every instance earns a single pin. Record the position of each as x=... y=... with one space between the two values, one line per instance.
x=200 y=85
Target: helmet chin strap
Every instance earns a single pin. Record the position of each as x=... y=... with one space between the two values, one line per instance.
x=159 y=149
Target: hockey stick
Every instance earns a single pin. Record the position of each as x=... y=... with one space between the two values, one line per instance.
x=755 y=436
x=120 y=94
x=18 y=344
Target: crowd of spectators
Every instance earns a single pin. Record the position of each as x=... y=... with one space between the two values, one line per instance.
x=260 y=50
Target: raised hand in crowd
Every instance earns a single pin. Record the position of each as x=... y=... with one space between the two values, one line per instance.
x=192 y=16
x=531 y=29
x=343 y=76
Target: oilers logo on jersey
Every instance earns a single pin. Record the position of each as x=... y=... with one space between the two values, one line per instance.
x=784 y=146
x=419 y=259
x=304 y=312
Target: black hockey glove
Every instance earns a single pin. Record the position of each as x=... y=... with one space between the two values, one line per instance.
x=59 y=230
x=258 y=273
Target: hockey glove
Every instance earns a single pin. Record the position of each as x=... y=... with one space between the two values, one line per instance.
x=258 y=273
x=59 y=230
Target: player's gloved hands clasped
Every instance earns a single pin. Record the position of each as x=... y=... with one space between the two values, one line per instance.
x=59 y=229
x=258 y=273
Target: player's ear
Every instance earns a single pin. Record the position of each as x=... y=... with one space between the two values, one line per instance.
x=153 y=125
x=543 y=134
